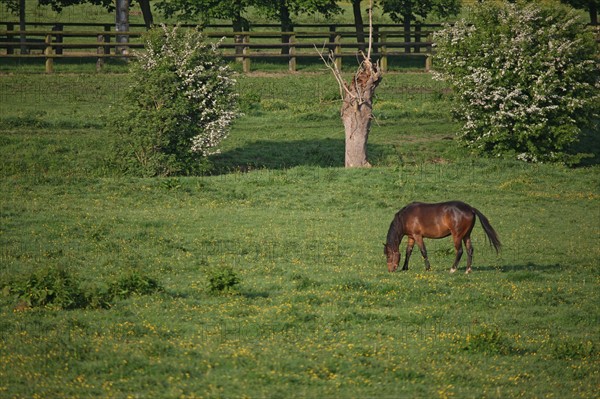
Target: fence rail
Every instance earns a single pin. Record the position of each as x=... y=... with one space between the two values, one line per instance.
x=101 y=42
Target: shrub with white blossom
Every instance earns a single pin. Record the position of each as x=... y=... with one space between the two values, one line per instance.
x=525 y=77
x=179 y=106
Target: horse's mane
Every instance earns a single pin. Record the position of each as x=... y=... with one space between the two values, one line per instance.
x=393 y=236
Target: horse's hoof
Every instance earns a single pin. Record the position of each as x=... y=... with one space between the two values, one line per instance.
x=468 y=271
x=452 y=271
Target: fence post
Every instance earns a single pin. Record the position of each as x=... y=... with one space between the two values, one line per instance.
x=23 y=35
x=59 y=38
x=245 y=54
x=332 y=29
x=407 y=37
x=417 y=37
x=48 y=52
x=107 y=39
x=9 y=38
x=428 y=61
x=337 y=52
x=292 y=53
x=429 y=48
x=100 y=51
x=383 y=49
x=239 y=50
x=122 y=26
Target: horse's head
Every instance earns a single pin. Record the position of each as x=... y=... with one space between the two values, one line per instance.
x=393 y=257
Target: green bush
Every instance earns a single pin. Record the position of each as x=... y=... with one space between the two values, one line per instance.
x=222 y=279
x=179 y=106
x=56 y=287
x=526 y=78
x=50 y=286
x=133 y=283
x=564 y=348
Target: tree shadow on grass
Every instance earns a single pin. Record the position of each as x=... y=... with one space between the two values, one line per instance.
x=404 y=62
x=264 y=154
x=64 y=64
x=255 y=295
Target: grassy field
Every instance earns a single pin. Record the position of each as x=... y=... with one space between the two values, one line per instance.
x=316 y=314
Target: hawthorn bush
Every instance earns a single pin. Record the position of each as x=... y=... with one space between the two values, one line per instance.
x=525 y=78
x=179 y=106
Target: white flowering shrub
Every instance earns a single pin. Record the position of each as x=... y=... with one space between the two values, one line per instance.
x=525 y=78
x=179 y=107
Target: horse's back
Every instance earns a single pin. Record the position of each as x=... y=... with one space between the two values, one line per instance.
x=439 y=207
x=459 y=205
x=437 y=220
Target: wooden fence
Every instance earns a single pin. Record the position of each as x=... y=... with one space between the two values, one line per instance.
x=100 y=42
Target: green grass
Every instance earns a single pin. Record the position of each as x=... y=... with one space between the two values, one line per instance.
x=316 y=314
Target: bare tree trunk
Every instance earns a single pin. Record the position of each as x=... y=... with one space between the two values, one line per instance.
x=593 y=6
x=286 y=26
x=357 y=106
x=357 y=113
x=22 y=27
x=358 y=24
x=122 y=25
x=147 y=13
x=239 y=25
x=407 y=36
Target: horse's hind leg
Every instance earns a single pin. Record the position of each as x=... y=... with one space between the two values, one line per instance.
x=459 y=251
x=421 y=244
x=469 y=246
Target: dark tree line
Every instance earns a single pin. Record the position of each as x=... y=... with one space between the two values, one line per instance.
x=400 y=11
x=284 y=11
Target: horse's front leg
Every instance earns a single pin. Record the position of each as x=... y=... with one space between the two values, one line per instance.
x=421 y=244
x=409 y=248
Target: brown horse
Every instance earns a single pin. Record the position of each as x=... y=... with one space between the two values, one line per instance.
x=419 y=220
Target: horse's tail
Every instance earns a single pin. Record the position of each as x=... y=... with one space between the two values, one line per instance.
x=489 y=230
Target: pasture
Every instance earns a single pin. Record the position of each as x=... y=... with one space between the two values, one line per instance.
x=316 y=314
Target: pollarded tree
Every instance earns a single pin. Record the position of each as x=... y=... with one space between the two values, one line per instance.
x=526 y=78
x=179 y=106
x=357 y=103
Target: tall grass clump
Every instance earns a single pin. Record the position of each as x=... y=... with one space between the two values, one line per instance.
x=179 y=106
x=57 y=287
x=526 y=79
x=50 y=286
x=222 y=280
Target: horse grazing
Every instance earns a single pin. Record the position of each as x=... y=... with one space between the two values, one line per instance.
x=418 y=220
